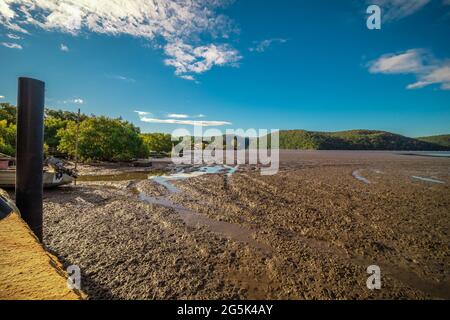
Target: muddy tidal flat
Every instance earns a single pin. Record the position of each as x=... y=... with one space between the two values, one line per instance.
x=308 y=232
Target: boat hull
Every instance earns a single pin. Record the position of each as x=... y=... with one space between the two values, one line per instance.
x=50 y=179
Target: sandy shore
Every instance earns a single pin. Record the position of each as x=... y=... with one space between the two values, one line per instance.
x=308 y=232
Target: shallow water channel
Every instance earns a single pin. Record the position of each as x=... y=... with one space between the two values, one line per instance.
x=189 y=217
x=122 y=176
x=164 y=180
x=195 y=219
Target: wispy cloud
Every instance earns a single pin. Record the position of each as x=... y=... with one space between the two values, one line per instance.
x=142 y=113
x=74 y=101
x=78 y=101
x=187 y=77
x=180 y=119
x=427 y=69
x=177 y=116
x=398 y=9
x=261 y=46
x=2 y=97
x=186 y=122
x=121 y=78
x=184 y=116
x=439 y=75
x=192 y=32
x=11 y=45
x=64 y=48
x=13 y=36
x=410 y=61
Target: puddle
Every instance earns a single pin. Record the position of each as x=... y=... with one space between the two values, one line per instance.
x=210 y=170
x=357 y=176
x=428 y=179
x=194 y=219
x=123 y=176
x=162 y=180
x=196 y=172
x=231 y=170
x=441 y=154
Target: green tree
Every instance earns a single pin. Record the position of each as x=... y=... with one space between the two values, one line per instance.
x=158 y=142
x=51 y=127
x=8 y=113
x=64 y=115
x=7 y=138
x=102 y=138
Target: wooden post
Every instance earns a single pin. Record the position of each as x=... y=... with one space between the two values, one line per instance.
x=76 y=144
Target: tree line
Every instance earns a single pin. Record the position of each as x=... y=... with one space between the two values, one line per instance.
x=357 y=140
x=100 y=138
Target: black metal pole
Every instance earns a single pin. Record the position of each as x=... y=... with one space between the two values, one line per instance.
x=29 y=152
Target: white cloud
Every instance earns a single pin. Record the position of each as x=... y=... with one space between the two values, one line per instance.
x=186 y=122
x=5 y=11
x=142 y=113
x=123 y=78
x=13 y=36
x=74 y=101
x=186 y=58
x=181 y=119
x=439 y=75
x=2 y=97
x=177 y=116
x=261 y=46
x=195 y=23
x=11 y=45
x=64 y=48
x=407 y=62
x=397 y=9
x=187 y=77
x=445 y=86
x=184 y=116
x=427 y=69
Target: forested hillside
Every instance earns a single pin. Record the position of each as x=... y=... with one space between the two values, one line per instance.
x=443 y=140
x=355 y=140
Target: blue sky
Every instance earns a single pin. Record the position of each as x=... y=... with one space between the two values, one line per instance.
x=285 y=64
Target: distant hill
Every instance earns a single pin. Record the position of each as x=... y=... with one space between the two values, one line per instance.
x=358 y=140
x=442 y=140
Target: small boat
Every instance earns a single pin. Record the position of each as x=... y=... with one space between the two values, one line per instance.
x=50 y=179
x=53 y=177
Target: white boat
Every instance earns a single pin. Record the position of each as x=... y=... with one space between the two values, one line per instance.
x=51 y=179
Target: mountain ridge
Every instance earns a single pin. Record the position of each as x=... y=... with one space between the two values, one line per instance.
x=360 y=139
